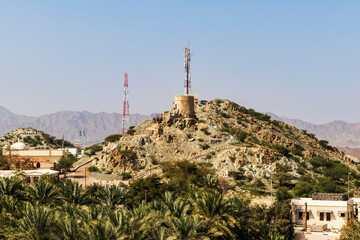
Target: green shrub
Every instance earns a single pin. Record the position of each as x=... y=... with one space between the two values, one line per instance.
x=184 y=173
x=205 y=146
x=225 y=115
x=301 y=170
x=126 y=175
x=154 y=161
x=205 y=130
x=127 y=153
x=113 y=138
x=319 y=161
x=337 y=171
x=131 y=132
x=95 y=148
x=281 y=149
x=303 y=189
x=93 y=169
x=297 y=150
x=260 y=116
x=323 y=143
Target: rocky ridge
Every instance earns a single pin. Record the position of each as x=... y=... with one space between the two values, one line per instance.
x=224 y=137
x=33 y=139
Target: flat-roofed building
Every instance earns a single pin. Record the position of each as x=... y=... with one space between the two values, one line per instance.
x=325 y=211
x=31 y=175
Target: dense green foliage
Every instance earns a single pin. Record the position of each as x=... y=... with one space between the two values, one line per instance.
x=260 y=116
x=188 y=203
x=95 y=148
x=113 y=138
x=65 y=163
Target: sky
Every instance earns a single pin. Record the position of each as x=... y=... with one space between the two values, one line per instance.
x=298 y=59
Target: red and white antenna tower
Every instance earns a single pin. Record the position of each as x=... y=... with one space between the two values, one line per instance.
x=125 y=118
x=187 y=58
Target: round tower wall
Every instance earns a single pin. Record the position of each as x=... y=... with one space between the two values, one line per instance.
x=185 y=104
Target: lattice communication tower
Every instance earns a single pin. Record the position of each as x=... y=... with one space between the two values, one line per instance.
x=187 y=58
x=126 y=116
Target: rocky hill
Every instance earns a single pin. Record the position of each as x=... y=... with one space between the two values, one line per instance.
x=338 y=133
x=68 y=123
x=33 y=139
x=225 y=137
x=352 y=152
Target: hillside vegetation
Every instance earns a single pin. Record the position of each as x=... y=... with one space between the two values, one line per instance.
x=33 y=139
x=242 y=146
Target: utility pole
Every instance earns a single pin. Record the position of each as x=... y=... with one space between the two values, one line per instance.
x=349 y=186
x=85 y=176
x=271 y=185
x=126 y=115
x=305 y=220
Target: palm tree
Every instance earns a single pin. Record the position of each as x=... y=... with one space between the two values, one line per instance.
x=112 y=196
x=243 y=226
x=100 y=230
x=11 y=187
x=43 y=192
x=210 y=181
x=37 y=223
x=187 y=227
x=74 y=193
x=218 y=212
x=69 y=229
x=10 y=211
x=178 y=208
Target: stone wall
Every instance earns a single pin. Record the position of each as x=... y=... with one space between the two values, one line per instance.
x=185 y=104
x=105 y=177
x=330 y=196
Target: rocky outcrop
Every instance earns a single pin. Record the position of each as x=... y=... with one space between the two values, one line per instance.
x=223 y=136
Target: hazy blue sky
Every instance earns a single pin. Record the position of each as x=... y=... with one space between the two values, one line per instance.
x=294 y=58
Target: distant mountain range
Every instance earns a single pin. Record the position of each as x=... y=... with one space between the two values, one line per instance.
x=338 y=133
x=68 y=123
x=100 y=125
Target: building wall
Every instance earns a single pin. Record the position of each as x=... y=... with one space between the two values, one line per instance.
x=36 y=153
x=316 y=206
x=44 y=165
x=185 y=104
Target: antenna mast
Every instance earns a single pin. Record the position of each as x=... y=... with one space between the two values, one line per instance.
x=125 y=116
x=187 y=58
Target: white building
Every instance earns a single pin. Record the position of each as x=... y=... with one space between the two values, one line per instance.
x=325 y=212
x=31 y=175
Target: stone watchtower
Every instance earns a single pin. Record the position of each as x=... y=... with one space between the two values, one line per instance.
x=185 y=104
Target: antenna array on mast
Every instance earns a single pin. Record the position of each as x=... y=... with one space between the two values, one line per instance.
x=187 y=58
x=125 y=117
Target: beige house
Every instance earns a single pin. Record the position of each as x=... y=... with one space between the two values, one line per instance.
x=325 y=212
x=30 y=175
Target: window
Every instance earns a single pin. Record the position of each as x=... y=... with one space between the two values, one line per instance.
x=37 y=165
x=342 y=214
x=321 y=216
x=328 y=216
x=301 y=215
